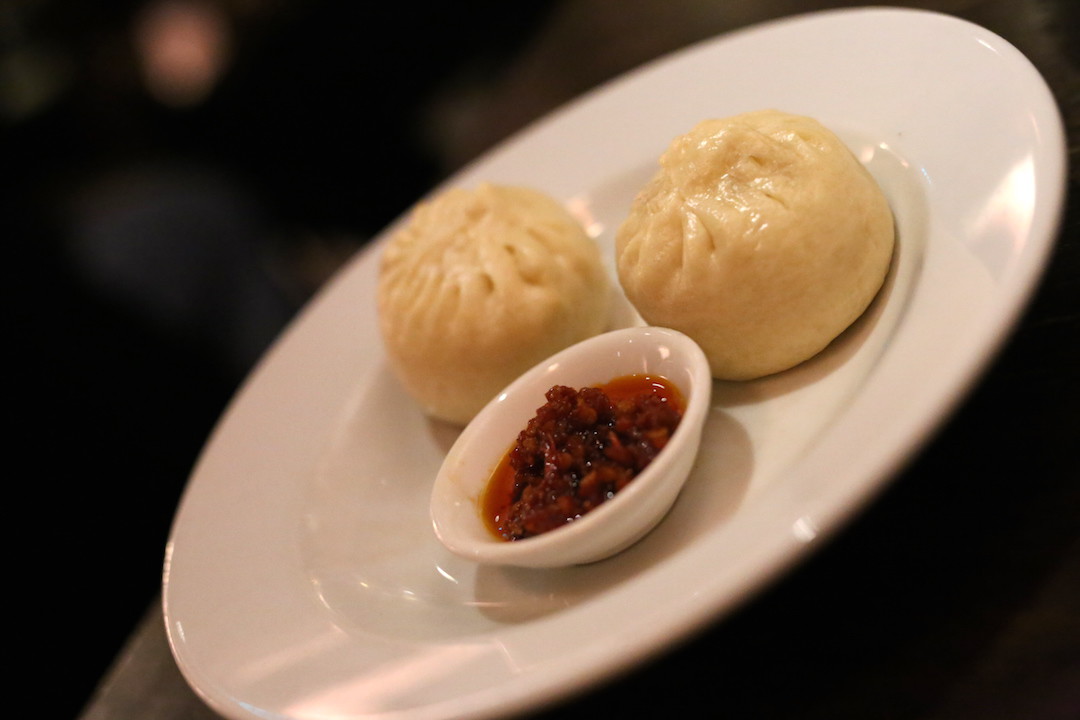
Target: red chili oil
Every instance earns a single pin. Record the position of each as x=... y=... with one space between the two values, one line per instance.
x=581 y=448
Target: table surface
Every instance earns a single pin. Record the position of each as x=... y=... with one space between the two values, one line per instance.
x=955 y=594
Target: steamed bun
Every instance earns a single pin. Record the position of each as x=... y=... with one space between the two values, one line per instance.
x=479 y=286
x=761 y=237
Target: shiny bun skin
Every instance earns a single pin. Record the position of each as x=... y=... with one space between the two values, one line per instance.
x=480 y=285
x=761 y=236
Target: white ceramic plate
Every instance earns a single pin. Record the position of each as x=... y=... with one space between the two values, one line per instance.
x=303 y=579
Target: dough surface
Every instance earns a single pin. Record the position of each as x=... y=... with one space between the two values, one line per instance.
x=479 y=286
x=761 y=236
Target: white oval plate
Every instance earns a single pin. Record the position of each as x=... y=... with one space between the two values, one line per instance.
x=303 y=579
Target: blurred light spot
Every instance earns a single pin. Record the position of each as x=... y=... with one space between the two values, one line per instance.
x=183 y=47
x=1010 y=210
x=581 y=209
x=804 y=529
x=446 y=575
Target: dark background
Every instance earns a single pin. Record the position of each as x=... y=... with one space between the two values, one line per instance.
x=161 y=234
x=159 y=247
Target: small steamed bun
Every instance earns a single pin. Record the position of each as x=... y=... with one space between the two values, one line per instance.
x=761 y=236
x=481 y=285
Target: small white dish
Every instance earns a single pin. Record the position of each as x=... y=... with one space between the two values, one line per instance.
x=456 y=497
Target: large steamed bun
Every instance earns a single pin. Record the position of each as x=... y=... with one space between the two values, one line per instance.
x=481 y=285
x=761 y=236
